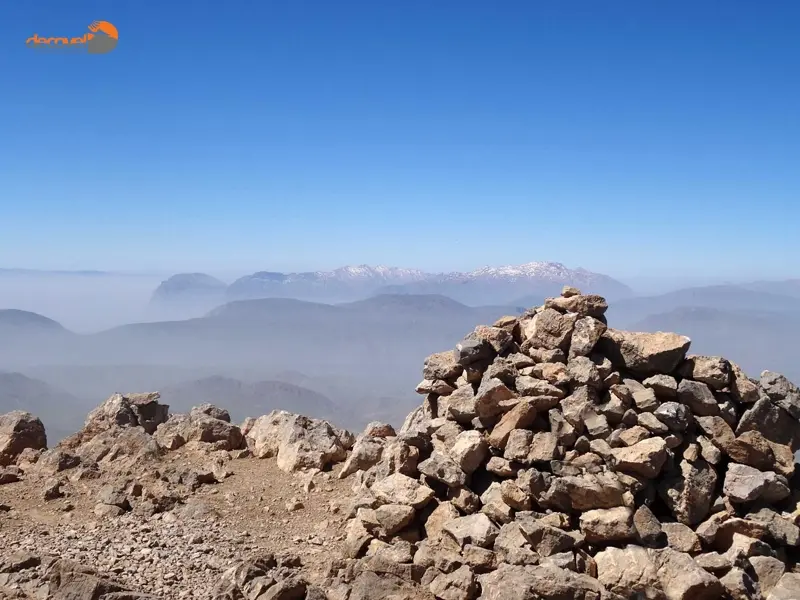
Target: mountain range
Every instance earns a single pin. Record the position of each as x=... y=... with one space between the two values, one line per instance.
x=354 y=361
x=487 y=285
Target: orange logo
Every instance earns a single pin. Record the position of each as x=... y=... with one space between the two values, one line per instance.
x=103 y=38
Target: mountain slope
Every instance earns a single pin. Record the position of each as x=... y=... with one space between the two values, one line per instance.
x=718 y=297
x=12 y=320
x=526 y=284
x=61 y=412
x=341 y=284
x=249 y=399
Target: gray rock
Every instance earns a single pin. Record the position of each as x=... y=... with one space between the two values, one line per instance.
x=461 y=405
x=585 y=335
x=582 y=371
x=297 y=441
x=367 y=452
x=494 y=398
x=743 y=483
x=782 y=392
x=768 y=571
x=662 y=385
x=393 y=517
x=475 y=529
x=651 y=422
x=673 y=415
x=472 y=350
x=698 y=397
x=690 y=491
x=740 y=586
x=581 y=304
x=443 y=468
x=648 y=527
x=772 y=422
x=643 y=397
x=518 y=445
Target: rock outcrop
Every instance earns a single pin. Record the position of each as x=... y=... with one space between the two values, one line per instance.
x=555 y=457
x=19 y=431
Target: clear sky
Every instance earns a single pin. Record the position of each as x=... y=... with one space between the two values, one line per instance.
x=627 y=137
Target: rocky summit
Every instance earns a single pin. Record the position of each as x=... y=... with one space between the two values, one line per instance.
x=552 y=458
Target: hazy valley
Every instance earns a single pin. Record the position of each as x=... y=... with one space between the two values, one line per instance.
x=350 y=362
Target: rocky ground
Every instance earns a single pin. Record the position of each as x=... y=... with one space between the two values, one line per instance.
x=552 y=458
x=253 y=510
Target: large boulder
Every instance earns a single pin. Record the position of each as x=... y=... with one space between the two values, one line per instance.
x=644 y=353
x=511 y=582
x=298 y=442
x=19 y=430
x=200 y=425
x=121 y=411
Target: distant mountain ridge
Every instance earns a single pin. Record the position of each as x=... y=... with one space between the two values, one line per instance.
x=486 y=285
x=249 y=399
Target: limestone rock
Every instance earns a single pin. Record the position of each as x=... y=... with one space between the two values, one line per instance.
x=519 y=417
x=606 y=525
x=786 y=588
x=681 y=538
x=698 y=397
x=442 y=365
x=644 y=353
x=19 y=430
x=401 y=489
x=367 y=452
x=443 y=468
x=512 y=582
x=475 y=529
x=548 y=329
x=469 y=451
x=644 y=458
x=297 y=441
x=458 y=585
x=744 y=484
x=585 y=335
x=782 y=392
x=690 y=492
x=768 y=571
x=683 y=579
x=629 y=572
x=494 y=398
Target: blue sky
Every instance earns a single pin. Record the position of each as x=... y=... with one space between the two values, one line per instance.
x=627 y=137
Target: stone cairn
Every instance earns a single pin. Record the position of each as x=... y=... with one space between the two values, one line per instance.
x=554 y=457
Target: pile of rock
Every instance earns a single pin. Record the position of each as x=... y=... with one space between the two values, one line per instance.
x=554 y=457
